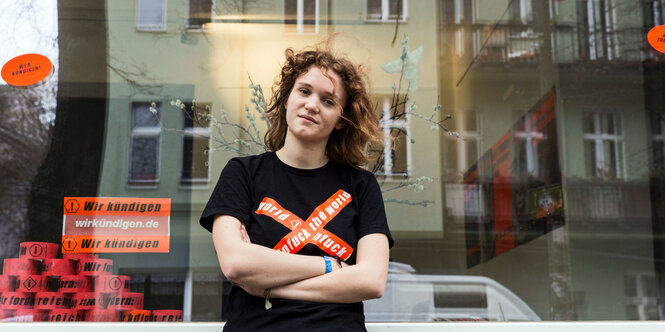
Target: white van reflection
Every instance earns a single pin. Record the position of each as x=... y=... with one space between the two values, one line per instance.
x=411 y=297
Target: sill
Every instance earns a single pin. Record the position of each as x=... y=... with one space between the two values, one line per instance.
x=375 y=21
x=139 y=29
x=142 y=185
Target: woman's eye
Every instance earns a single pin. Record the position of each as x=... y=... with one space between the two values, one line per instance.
x=329 y=102
x=304 y=91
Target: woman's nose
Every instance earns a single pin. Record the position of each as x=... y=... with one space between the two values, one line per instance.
x=310 y=105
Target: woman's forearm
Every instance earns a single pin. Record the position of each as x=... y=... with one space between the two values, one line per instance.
x=256 y=266
x=362 y=281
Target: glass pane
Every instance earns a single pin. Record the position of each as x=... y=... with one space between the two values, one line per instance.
x=470 y=121
x=309 y=11
x=451 y=158
x=374 y=9
x=471 y=146
x=195 y=158
x=549 y=206
x=590 y=162
x=608 y=124
x=400 y=157
x=200 y=12
x=143 y=117
x=196 y=116
x=588 y=123
x=144 y=165
x=290 y=11
x=151 y=14
x=395 y=8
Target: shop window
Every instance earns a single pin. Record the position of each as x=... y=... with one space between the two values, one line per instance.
x=395 y=158
x=640 y=291
x=151 y=15
x=200 y=13
x=195 y=144
x=386 y=10
x=302 y=16
x=603 y=145
x=144 y=143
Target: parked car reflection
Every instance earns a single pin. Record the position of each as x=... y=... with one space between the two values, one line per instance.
x=411 y=297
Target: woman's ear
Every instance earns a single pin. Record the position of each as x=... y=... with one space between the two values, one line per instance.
x=340 y=124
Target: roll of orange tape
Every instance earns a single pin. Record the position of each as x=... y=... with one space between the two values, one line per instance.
x=38 y=250
x=136 y=316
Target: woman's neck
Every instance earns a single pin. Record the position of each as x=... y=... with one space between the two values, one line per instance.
x=303 y=156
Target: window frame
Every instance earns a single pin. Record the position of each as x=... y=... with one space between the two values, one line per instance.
x=193 y=132
x=145 y=27
x=464 y=136
x=144 y=131
x=598 y=137
x=300 y=18
x=192 y=27
x=386 y=125
x=385 y=12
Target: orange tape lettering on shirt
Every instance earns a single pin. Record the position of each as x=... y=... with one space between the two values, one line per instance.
x=302 y=232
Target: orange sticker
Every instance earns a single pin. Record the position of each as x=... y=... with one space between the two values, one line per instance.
x=656 y=38
x=115 y=224
x=26 y=69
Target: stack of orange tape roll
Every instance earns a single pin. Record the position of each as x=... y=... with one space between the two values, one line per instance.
x=38 y=286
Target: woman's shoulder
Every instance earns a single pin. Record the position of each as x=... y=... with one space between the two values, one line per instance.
x=360 y=177
x=251 y=161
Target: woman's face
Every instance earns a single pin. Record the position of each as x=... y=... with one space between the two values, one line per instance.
x=311 y=108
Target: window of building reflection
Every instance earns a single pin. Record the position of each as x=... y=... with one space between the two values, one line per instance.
x=144 y=145
x=303 y=16
x=386 y=10
x=151 y=15
x=196 y=138
x=603 y=145
x=199 y=13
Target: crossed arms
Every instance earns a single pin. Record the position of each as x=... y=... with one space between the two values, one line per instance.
x=299 y=277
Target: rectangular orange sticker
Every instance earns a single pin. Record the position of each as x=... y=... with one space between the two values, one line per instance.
x=115 y=224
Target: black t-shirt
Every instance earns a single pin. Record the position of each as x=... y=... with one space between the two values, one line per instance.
x=321 y=211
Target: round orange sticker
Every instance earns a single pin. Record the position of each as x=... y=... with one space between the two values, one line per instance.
x=656 y=38
x=26 y=69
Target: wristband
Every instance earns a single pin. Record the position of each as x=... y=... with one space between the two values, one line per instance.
x=326 y=259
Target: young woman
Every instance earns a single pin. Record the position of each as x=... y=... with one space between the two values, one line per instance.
x=301 y=231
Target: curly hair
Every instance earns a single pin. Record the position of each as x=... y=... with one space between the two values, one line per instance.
x=346 y=145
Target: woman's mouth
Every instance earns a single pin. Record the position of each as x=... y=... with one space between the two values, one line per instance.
x=307 y=118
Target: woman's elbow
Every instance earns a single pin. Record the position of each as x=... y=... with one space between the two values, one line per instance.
x=375 y=289
x=232 y=269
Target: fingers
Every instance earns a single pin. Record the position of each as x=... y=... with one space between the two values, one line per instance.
x=245 y=236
